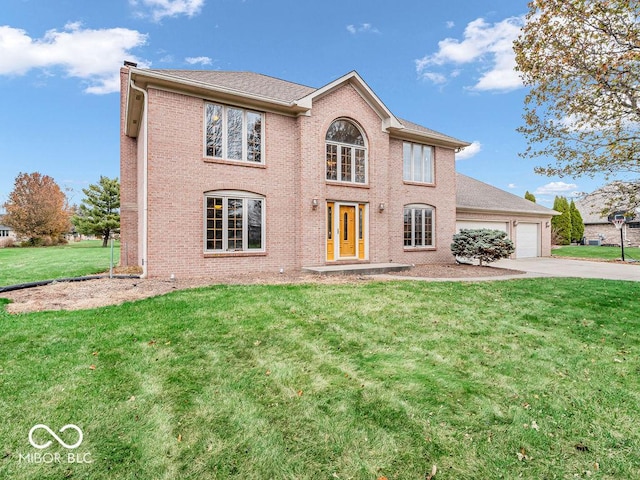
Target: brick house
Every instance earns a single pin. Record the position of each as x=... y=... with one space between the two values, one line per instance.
x=598 y=227
x=225 y=172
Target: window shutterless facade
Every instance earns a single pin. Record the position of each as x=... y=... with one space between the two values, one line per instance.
x=417 y=163
x=233 y=133
x=234 y=222
x=346 y=153
x=418 y=226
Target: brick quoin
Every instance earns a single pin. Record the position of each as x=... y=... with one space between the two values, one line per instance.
x=292 y=176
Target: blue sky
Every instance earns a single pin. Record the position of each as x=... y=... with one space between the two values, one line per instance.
x=445 y=65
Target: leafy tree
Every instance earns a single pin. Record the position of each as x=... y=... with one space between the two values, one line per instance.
x=530 y=196
x=561 y=224
x=482 y=244
x=99 y=212
x=577 y=224
x=37 y=209
x=581 y=60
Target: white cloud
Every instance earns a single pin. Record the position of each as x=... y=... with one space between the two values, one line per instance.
x=489 y=47
x=555 y=188
x=92 y=55
x=469 y=151
x=450 y=24
x=198 y=60
x=362 y=28
x=512 y=186
x=159 y=9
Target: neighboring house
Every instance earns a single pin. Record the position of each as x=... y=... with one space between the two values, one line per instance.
x=598 y=228
x=7 y=235
x=227 y=172
x=527 y=224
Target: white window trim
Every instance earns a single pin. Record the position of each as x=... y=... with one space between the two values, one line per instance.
x=245 y=197
x=420 y=206
x=225 y=137
x=353 y=157
x=412 y=171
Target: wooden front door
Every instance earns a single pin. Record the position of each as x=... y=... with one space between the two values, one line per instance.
x=347 y=231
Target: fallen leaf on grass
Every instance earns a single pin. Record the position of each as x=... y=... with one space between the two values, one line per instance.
x=535 y=426
x=522 y=454
x=299 y=393
x=268 y=372
x=152 y=342
x=581 y=447
x=617 y=360
x=95 y=354
x=431 y=475
x=179 y=437
x=92 y=367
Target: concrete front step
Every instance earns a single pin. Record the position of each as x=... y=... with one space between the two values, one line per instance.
x=358 y=269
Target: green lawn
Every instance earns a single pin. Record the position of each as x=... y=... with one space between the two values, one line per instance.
x=532 y=378
x=594 y=252
x=19 y=265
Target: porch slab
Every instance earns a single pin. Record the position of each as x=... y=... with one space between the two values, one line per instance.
x=358 y=269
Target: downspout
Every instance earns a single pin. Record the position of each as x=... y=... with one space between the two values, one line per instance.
x=145 y=162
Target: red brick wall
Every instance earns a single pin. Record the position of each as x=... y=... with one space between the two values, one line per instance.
x=293 y=175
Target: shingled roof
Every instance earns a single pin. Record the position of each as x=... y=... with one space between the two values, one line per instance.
x=271 y=88
x=245 y=82
x=472 y=194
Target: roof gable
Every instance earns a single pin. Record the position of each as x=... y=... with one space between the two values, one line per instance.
x=352 y=78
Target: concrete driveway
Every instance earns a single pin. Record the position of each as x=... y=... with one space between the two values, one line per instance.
x=561 y=267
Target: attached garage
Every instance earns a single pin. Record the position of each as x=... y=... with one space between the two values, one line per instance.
x=527 y=240
x=528 y=225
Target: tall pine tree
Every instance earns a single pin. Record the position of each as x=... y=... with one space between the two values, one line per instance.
x=530 y=196
x=561 y=224
x=577 y=224
x=99 y=212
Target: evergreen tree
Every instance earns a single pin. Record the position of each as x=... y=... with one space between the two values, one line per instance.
x=530 y=196
x=98 y=213
x=561 y=224
x=577 y=224
x=482 y=244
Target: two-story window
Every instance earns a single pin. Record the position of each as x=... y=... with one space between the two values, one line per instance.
x=346 y=153
x=417 y=163
x=418 y=226
x=234 y=222
x=233 y=133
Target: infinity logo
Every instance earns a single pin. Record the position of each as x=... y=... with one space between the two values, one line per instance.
x=52 y=433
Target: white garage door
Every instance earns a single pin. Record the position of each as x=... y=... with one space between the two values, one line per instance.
x=527 y=240
x=472 y=225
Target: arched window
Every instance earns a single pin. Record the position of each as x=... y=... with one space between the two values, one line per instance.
x=418 y=226
x=346 y=153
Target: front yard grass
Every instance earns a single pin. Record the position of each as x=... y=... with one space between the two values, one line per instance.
x=31 y=264
x=532 y=378
x=596 y=252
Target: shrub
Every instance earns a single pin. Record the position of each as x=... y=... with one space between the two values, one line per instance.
x=483 y=244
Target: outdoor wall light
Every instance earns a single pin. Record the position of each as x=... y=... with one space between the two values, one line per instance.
x=515 y=223
x=546 y=225
x=314 y=203
x=381 y=207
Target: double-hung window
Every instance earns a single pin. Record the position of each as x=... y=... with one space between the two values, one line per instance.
x=418 y=226
x=233 y=133
x=346 y=153
x=234 y=222
x=417 y=163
